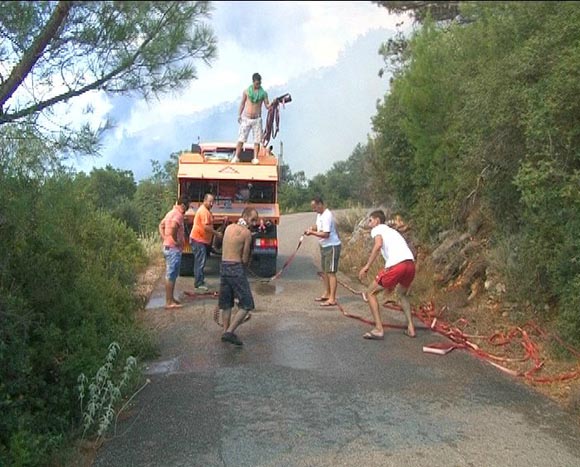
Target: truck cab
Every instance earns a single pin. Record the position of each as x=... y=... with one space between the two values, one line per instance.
x=207 y=168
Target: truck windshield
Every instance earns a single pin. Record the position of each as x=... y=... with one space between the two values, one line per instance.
x=232 y=191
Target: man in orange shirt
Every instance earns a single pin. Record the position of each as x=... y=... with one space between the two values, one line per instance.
x=172 y=233
x=200 y=239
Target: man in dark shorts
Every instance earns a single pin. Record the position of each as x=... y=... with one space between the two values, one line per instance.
x=233 y=280
x=398 y=273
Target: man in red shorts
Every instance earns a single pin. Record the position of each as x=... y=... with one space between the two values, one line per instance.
x=398 y=273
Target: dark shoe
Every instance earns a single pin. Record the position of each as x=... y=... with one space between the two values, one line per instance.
x=231 y=338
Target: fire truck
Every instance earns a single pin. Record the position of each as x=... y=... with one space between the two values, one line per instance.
x=208 y=168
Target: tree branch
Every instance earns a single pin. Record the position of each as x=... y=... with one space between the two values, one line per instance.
x=37 y=107
x=31 y=56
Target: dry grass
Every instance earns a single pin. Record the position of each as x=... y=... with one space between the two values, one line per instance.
x=147 y=278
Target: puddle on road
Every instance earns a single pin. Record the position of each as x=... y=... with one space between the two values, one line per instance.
x=264 y=288
x=184 y=364
x=167 y=366
x=155 y=302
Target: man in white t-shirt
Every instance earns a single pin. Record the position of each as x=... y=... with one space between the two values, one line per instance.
x=398 y=273
x=325 y=230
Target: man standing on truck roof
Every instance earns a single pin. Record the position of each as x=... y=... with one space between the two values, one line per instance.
x=172 y=231
x=250 y=116
x=200 y=239
x=233 y=280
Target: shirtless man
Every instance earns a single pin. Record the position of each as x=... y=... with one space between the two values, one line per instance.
x=233 y=280
x=250 y=116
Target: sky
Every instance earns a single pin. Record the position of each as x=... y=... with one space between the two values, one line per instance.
x=325 y=54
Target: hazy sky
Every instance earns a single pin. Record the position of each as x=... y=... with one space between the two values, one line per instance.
x=324 y=53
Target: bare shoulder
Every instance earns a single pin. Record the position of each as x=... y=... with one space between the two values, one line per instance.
x=246 y=234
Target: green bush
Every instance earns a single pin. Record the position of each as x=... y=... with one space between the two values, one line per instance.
x=66 y=288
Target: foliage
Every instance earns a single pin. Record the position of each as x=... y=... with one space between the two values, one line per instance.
x=69 y=48
x=155 y=195
x=70 y=252
x=293 y=194
x=66 y=278
x=102 y=393
x=345 y=184
x=484 y=116
x=421 y=10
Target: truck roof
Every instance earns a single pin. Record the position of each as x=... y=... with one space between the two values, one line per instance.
x=213 y=162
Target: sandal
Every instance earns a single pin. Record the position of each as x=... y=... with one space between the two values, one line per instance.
x=373 y=337
x=325 y=304
x=321 y=299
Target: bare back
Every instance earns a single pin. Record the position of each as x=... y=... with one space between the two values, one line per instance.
x=236 y=244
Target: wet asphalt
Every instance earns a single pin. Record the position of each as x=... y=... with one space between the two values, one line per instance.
x=306 y=390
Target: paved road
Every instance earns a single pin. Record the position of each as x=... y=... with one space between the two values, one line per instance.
x=307 y=390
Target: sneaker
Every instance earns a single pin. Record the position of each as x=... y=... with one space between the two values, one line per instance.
x=202 y=288
x=231 y=338
x=255 y=161
x=235 y=160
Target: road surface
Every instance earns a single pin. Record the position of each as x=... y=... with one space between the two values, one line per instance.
x=307 y=390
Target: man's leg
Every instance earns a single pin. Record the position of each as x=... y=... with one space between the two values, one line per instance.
x=199 y=257
x=332 y=282
x=173 y=263
x=371 y=294
x=326 y=283
x=169 y=291
x=258 y=135
x=238 y=151
x=241 y=288
x=238 y=319
x=256 y=152
x=226 y=315
x=229 y=335
x=403 y=294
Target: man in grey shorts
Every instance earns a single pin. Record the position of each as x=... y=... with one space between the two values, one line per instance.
x=325 y=230
x=233 y=280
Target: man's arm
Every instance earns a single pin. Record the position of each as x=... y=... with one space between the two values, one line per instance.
x=374 y=253
x=316 y=233
x=173 y=228
x=267 y=102
x=242 y=104
x=209 y=228
x=162 y=229
x=246 y=248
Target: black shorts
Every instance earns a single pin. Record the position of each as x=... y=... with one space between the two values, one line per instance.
x=234 y=284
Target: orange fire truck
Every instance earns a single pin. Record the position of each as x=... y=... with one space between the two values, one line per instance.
x=207 y=168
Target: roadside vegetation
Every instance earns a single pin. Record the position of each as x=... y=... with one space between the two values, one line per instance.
x=73 y=245
x=479 y=134
x=476 y=145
